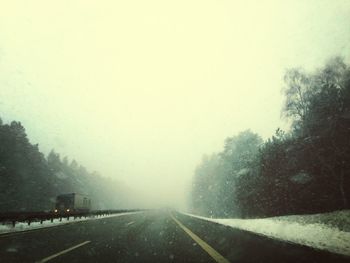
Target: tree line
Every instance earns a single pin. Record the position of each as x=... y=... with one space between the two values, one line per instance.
x=30 y=181
x=304 y=170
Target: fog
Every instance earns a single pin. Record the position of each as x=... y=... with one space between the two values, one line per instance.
x=140 y=90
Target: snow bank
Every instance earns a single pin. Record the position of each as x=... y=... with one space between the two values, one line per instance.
x=315 y=235
x=56 y=222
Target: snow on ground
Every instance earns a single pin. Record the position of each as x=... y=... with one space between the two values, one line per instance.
x=337 y=219
x=56 y=222
x=302 y=230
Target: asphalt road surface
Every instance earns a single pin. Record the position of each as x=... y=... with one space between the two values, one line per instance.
x=152 y=236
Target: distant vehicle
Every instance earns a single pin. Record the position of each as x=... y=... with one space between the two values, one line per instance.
x=72 y=202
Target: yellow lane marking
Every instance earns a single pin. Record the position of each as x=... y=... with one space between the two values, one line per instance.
x=63 y=252
x=207 y=248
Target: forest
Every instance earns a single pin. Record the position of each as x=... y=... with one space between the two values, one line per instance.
x=299 y=171
x=30 y=181
x=302 y=170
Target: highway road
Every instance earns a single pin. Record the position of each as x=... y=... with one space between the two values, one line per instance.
x=152 y=236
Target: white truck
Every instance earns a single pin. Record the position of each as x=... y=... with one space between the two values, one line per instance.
x=72 y=202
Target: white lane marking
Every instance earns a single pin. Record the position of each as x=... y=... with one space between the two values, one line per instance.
x=63 y=252
x=130 y=223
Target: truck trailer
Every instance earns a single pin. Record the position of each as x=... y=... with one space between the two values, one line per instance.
x=72 y=202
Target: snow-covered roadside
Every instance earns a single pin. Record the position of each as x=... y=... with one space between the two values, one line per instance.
x=56 y=222
x=314 y=235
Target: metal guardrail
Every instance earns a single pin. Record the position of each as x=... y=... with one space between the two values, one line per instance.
x=28 y=217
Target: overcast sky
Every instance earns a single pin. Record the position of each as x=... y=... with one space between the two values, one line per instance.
x=140 y=90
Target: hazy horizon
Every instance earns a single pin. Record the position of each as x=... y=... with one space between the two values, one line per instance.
x=140 y=91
